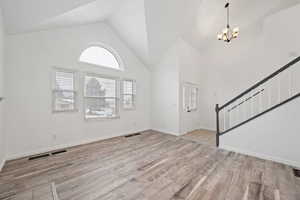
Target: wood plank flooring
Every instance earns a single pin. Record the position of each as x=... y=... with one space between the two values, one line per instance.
x=151 y=166
x=202 y=136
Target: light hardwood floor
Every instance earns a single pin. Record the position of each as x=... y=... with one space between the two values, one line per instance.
x=202 y=136
x=152 y=166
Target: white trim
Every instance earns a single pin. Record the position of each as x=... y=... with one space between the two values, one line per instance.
x=2 y=164
x=118 y=80
x=166 y=132
x=100 y=75
x=207 y=128
x=110 y=50
x=262 y=156
x=134 y=94
x=54 y=89
x=189 y=87
x=69 y=145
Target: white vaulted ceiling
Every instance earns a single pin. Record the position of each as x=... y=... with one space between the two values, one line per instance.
x=28 y=15
x=208 y=17
x=130 y=22
x=149 y=27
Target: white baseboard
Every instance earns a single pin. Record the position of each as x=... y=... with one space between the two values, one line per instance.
x=63 y=146
x=180 y=134
x=165 y=131
x=2 y=163
x=208 y=128
x=262 y=156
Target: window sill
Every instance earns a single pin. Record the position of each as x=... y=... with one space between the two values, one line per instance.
x=101 y=118
x=64 y=111
x=129 y=109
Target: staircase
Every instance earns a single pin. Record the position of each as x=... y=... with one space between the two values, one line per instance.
x=272 y=92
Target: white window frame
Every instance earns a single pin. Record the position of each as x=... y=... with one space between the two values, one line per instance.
x=133 y=93
x=196 y=100
x=187 y=106
x=110 y=50
x=54 y=89
x=117 y=79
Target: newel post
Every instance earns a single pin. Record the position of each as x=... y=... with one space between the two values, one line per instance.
x=218 y=127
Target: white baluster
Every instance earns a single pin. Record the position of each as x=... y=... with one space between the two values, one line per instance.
x=242 y=111
x=232 y=118
x=251 y=106
x=269 y=93
x=245 y=109
x=224 y=126
x=238 y=114
x=279 y=88
x=290 y=83
x=248 y=108
x=260 y=99
x=229 y=119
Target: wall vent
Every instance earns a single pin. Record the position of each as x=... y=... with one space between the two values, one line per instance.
x=297 y=172
x=39 y=156
x=132 y=135
x=58 y=152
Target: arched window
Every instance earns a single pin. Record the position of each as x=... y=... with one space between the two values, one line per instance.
x=99 y=56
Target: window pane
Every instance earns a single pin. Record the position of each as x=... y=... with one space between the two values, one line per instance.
x=100 y=87
x=64 y=101
x=186 y=98
x=64 y=80
x=190 y=98
x=101 y=108
x=99 y=56
x=129 y=94
x=194 y=94
x=128 y=101
x=128 y=87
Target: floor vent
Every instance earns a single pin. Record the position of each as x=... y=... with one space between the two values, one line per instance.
x=133 y=135
x=39 y=156
x=297 y=172
x=59 y=152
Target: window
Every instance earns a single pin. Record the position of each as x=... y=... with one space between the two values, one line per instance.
x=99 y=56
x=64 y=94
x=194 y=97
x=128 y=94
x=190 y=98
x=101 y=97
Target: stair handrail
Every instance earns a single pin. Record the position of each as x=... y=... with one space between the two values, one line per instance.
x=219 y=108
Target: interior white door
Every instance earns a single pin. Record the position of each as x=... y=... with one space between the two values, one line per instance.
x=190 y=114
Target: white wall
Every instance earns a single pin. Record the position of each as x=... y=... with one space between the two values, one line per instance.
x=2 y=136
x=180 y=65
x=192 y=72
x=30 y=125
x=165 y=94
x=260 y=50
x=274 y=136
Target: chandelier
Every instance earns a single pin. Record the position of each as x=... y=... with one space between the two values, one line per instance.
x=228 y=34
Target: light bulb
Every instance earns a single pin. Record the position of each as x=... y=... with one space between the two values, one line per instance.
x=235 y=34
x=220 y=36
x=236 y=30
x=225 y=30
